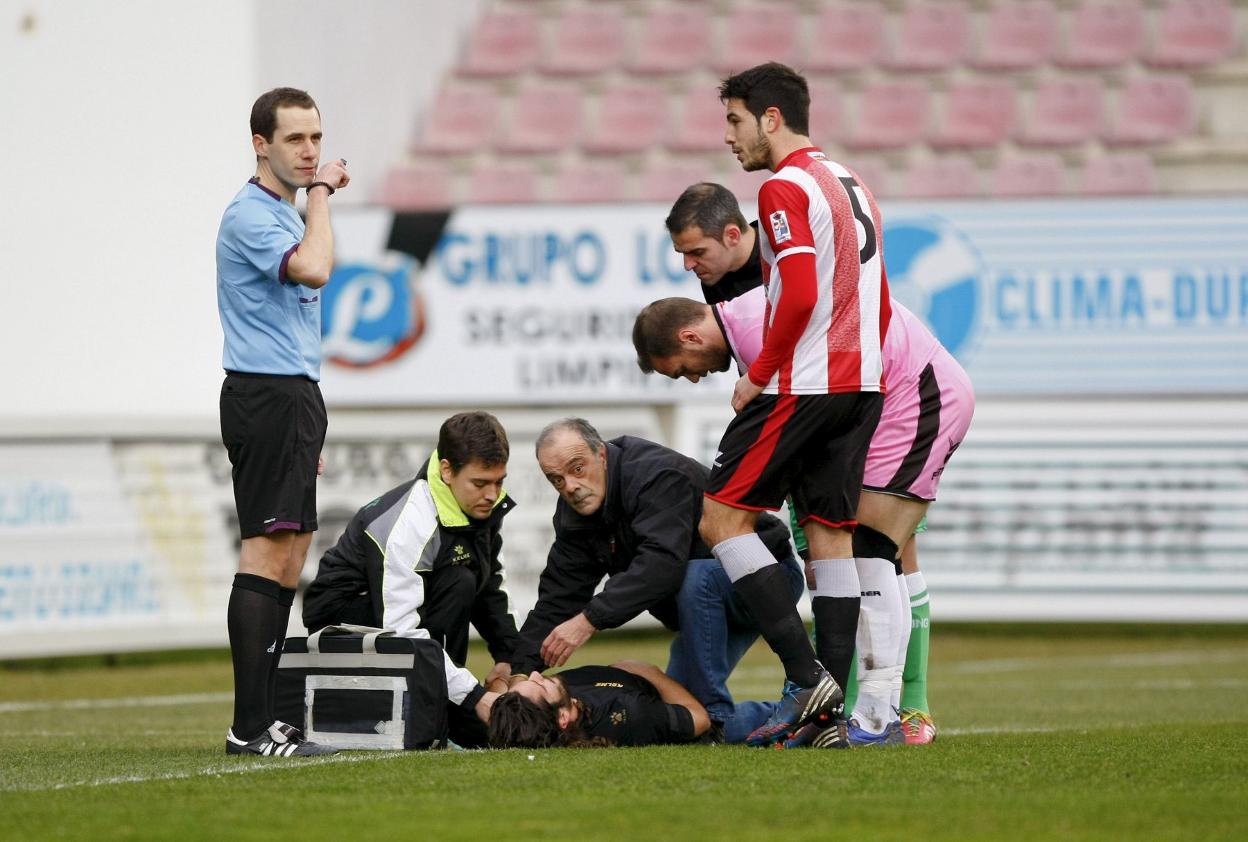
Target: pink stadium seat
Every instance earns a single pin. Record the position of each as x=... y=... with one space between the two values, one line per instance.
x=931 y=36
x=501 y=44
x=418 y=186
x=594 y=181
x=462 y=119
x=509 y=183
x=977 y=114
x=1194 y=32
x=872 y=174
x=846 y=38
x=1018 y=35
x=1065 y=112
x=1128 y=174
x=954 y=177
x=700 y=122
x=545 y=118
x=587 y=40
x=631 y=118
x=1104 y=33
x=673 y=40
x=744 y=185
x=825 y=112
x=1154 y=110
x=665 y=182
x=756 y=34
x=890 y=114
x=1034 y=175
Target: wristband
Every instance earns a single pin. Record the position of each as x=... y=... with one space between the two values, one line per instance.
x=324 y=184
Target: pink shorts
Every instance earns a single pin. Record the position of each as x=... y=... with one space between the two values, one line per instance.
x=923 y=422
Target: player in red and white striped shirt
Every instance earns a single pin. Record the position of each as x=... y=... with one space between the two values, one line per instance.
x=810 y=402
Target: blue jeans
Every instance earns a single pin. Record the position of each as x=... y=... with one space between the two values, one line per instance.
x=716 y=630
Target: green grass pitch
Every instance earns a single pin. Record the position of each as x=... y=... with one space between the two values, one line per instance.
x=1047 y=732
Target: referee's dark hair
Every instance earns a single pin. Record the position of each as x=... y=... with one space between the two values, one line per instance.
x=654 y=332
x=708 y=205
x=578 y=425
x=473 y=435
x=264 y=111
x=771 y=85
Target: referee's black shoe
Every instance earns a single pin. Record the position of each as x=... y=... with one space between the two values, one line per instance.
x=278 y=740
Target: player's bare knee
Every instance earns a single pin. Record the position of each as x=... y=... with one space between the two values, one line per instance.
x=720 y=522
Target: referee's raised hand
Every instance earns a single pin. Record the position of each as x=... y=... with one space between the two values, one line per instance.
x=334 y=174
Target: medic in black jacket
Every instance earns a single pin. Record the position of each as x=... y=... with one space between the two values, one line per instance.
x=628 y=510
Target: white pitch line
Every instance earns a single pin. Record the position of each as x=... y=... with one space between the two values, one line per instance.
x=1166 y=657
x=120 y=702
x=274 y=764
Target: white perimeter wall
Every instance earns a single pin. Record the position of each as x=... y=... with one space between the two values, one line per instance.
x=123 y=135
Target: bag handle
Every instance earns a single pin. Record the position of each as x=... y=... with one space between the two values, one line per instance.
x=368 y=647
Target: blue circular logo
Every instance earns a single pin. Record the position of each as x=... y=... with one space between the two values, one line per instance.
x=371 y=314
x=935 y=272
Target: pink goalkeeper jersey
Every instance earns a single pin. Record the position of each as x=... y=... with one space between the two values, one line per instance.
x=827 y=298
x=908 y=346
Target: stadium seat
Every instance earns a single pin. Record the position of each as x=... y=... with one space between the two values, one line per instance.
x=587 y=40
x=418 y=186
x=1104 y=34
x=756 y=34
x=890 y=115
x=931 y=36
x=1153 y=110
x=673 y=40
x=1192 y=33
x=872 y=173
x=502 y=44
x=953 y=177
x=1032 y=175
x=545 y=118
x=631 y=118
x=825 y=112
x=846 y=38
x=700 y=122
x=1065 y=112
x=594 y=181
x=666 y=181
x=744 y=185
x=1127 y=174
x=977 y=114
x=1018 y=35
x=462 y=119
x=509 y=183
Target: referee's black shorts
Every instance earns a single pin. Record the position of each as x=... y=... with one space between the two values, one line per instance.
x=811 y=446
x=273 y=427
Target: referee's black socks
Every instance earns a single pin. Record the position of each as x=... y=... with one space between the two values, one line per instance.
x=254 y=618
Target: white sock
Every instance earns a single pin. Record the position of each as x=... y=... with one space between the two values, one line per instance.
x=878 y=635
x=743 y=555
x=915 y=585
x=836 y=577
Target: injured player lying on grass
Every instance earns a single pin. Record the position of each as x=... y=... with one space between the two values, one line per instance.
x=629 y=703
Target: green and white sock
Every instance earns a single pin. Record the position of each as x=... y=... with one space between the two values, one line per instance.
x=914 y=677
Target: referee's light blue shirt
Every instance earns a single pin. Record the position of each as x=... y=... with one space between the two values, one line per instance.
x=271 y=325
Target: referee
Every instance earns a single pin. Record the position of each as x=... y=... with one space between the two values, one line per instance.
x=269 y=268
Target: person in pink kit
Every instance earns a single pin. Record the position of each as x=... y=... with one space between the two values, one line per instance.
x=927 y=410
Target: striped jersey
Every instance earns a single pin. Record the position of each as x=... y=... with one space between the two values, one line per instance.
x=823 y=266
x=908 y=347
